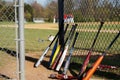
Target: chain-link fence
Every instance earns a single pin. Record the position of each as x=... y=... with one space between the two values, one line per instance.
x=88 y=14
x=8 y=55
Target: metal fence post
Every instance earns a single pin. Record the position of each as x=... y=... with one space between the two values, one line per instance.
x=61 y=21
x=21 y=40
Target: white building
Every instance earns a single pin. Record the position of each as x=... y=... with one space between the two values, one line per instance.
x=38 y=20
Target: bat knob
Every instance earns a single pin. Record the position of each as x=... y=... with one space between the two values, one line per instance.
x=52 y=75
x=102 y=22
x=76 y=24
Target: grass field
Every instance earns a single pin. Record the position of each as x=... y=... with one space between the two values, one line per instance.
x=85 y=41
x=36 y=40
x=33 y=37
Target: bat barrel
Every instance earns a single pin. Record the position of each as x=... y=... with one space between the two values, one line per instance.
x=70 y=54
x=65 y=50
x=92 y=70
x=55 y=45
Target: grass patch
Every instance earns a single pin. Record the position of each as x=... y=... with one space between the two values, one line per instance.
x=33 y=39
x=95 y=26
x=7 y=23
x=86 y=39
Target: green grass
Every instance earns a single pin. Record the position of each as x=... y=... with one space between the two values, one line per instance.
x=33 y=37
x=95 y=26
x=7 y=37
x=86 y=39
x=7 y=23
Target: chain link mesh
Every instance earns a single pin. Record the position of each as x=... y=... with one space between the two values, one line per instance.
x=8 y=60
x=88 y=14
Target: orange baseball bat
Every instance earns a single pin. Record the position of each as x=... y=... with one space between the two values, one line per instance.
x=99 y=60
x=93 y=69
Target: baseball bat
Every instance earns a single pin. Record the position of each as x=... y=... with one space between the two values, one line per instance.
x=56 y=49
x=70 y=54
x=99 y=60
x=44 y=53
x=65 y=50
x=86 y=61
x=46 y=50
x=53 y=51
x=61 y=51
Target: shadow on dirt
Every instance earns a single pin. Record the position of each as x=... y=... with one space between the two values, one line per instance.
x=75 y=67
x=28 y=58
x=2 y=76
x=110 y=60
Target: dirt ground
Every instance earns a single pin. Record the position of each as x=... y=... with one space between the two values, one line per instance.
x=40 y=73
x=54 y=26
x=42 y=26
x=31 y=73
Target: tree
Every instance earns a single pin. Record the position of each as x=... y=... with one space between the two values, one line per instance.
x=51 y=10
x=28 y=12
x=1 y=6
x=68 y=6
x=116 y=10
x=38 y=10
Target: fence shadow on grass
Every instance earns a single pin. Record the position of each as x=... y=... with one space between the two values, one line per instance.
x=8 y=51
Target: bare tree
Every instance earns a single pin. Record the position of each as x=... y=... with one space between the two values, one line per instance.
x=37 y=10
x=51 y=10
